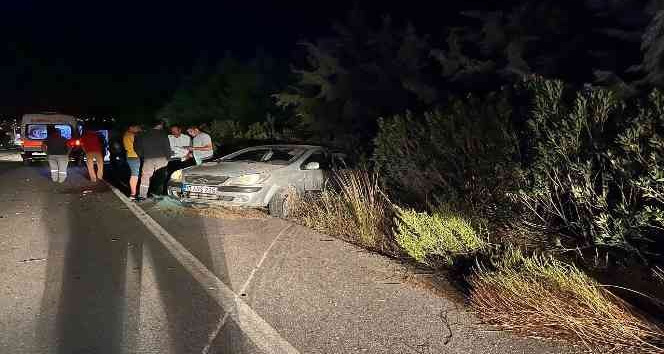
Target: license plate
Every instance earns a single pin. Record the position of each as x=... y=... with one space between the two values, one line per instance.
x=38 y=154
x=200 y=189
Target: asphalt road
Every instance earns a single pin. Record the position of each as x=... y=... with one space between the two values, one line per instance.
x=82 y=270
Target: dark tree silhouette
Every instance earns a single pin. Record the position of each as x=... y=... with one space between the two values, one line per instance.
x=357 y=75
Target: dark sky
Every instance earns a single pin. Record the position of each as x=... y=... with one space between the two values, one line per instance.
x=105 y=56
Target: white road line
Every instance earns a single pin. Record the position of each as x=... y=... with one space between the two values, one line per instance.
x=261 y=334
x=243 y=289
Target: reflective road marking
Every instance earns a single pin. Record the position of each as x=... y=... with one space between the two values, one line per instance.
x=223 y=319
x=261 y=334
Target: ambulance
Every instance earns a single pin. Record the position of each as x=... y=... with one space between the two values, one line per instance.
x=33 y=132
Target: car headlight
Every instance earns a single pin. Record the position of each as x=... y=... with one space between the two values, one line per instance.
x=176 y=176
x=246 y=180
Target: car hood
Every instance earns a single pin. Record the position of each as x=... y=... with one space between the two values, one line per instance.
x=231 y=169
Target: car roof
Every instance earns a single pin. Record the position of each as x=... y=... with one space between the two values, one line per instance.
x=287 y=146
x=332 y=150
x=50 y=118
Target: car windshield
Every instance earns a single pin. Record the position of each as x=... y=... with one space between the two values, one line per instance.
x=272 y=155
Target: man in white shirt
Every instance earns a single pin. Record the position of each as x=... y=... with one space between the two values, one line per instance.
x=202 y=147
x=179 y=144
x=180 y=156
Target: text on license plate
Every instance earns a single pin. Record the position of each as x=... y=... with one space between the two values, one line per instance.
x=200 y=189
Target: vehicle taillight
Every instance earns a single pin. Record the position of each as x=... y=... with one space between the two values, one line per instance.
x=77 y=142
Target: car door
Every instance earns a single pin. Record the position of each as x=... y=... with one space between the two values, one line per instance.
x=314 y=178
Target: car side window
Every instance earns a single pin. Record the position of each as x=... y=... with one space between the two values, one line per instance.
x=339 y=162
x=321 y=158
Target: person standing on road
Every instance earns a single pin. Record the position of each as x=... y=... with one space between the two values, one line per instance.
x=156 y=150
x=202 y=147
x=58 y=154
x=133 y=160
x=92 y=147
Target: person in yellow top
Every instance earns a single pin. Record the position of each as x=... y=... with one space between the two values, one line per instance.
x=133 y=160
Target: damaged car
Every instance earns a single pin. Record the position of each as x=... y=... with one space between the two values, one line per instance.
x=258 y=177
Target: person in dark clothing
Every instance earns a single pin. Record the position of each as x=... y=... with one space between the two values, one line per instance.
x=155 y=149
x=58 y=154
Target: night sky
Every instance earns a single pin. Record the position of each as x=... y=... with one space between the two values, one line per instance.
x=105 y=57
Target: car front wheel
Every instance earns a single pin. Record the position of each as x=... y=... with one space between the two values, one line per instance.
x=283 y=202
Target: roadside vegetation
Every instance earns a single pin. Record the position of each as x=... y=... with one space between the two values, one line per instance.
x=581 y=180
x=439 y=238
x=529 y=189
x=354 y=208
x=658 y=273
x=544 y=297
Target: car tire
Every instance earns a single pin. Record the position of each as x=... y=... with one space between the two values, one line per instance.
x=281 y=204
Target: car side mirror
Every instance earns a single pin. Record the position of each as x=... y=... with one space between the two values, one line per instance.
x=312 y=166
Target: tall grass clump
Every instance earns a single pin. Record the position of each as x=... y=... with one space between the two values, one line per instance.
x=658 y=273
x=441 y=236
x=541 y=296
x=354 y=208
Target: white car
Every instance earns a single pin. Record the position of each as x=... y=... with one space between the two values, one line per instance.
x=261 y=176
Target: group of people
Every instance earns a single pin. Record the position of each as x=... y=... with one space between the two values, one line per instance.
x=153 y=153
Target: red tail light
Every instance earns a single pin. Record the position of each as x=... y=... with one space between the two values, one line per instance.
x=78 y=142
x=31 y=143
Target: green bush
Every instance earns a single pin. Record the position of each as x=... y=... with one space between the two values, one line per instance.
x=258 y=130
x=594 y=175
x=223 y=130
x=465 y=155
x=442 y=235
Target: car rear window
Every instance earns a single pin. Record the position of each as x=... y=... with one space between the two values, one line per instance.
x=38 y=131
